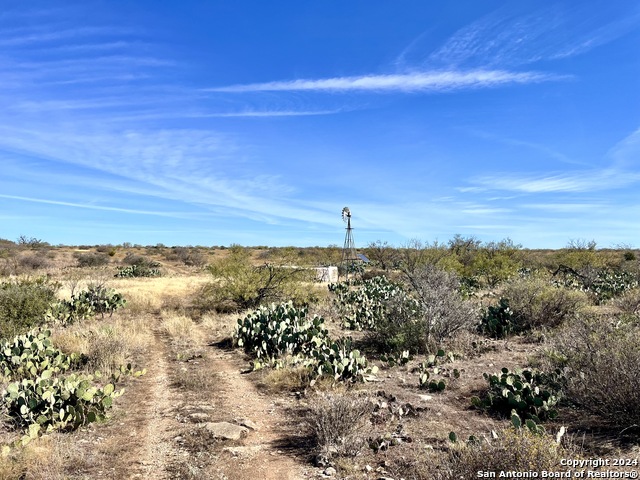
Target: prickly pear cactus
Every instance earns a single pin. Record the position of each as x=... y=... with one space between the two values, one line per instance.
x=340 y=360
x=31 y=354
x=277 y=330
x=63 y=403
x=271 y=333
x=363 y=307
x=529 y=393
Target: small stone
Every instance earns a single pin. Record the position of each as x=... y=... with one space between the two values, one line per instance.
x=251 y=425
x=330 y=471
x=226 y=430
x=199 y=416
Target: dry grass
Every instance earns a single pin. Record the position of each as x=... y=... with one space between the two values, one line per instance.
x=512 y=450
x=107 y=343
x=187 y=340
x=219 y=325
x=195 y=379
x=287 y=379
x=155 y=294
x=47 y=458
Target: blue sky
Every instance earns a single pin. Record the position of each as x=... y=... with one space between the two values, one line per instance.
x=253 y=122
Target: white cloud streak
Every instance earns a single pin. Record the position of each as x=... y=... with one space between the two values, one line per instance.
x=433 y=81
x=569 y=182
x=92 y=207
x=29 y=38
x=505 y=37
x=262 y=113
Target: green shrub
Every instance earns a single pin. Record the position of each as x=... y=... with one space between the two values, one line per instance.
x=402 y=328
x=496 y=262
x=91 y=259
x=537 y=303
x=601 y=356
x=23 y=304
x=240 y=285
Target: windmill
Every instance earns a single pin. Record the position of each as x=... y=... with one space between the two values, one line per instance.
x=349 y=257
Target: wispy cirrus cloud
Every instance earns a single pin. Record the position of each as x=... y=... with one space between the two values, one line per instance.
x=94 y=207
x=626 y=153
x=262 y=113
x=566 y=207
x=585 y=181
x=432 y=81
x=187 y=166
x=507 y=36
x=543 y=149
x=621 y=171
x=30 y=37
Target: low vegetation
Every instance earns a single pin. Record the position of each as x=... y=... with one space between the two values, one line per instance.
x=508 y=348
x=238 y=284
x=601 y=356
x=511 y=450
x=339 y=423
x=24 y=303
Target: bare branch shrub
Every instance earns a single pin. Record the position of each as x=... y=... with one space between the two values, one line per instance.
x=441 y=309
x=602 y=357
x=339 y=423
x=190 y=256
x=629 y=302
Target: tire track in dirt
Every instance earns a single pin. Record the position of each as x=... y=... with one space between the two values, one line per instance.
x=260 y=455
x=138 y=442
x=156 y=421
x=143 y=439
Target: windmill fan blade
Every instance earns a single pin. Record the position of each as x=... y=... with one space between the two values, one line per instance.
x=346 y=213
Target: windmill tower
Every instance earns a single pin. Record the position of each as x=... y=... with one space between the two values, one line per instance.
x=349 y=257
